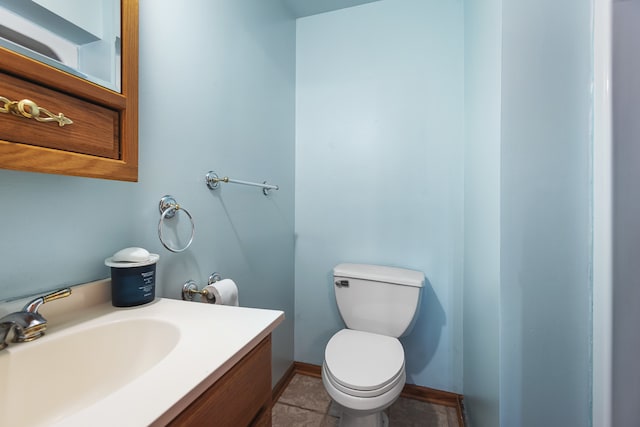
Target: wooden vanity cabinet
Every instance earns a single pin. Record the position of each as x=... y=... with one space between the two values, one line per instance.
x=242 y=397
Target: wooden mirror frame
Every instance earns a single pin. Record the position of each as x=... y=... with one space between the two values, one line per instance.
x=31 y=158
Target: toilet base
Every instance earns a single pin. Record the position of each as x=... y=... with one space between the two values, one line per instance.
x=354 y=419
x=357 y=411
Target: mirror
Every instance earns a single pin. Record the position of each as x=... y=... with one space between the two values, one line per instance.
x=77 y=36
x=93 y=82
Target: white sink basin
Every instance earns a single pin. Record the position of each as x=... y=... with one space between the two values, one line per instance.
x=99 y=365
x=47 y=380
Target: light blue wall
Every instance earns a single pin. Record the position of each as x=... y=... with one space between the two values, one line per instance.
x=302 y=8
x=216 y=92
x=59 y=230
x=527 y=285
x=379 y=170
x=481 y=336
x=545 y=236
x=380 y=113
x=626 y=237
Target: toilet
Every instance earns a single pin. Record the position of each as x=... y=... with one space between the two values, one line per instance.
x=363 y=369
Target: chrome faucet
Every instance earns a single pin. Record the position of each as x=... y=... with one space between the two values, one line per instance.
x=28 y=324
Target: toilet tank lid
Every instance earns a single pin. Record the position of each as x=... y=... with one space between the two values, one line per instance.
x=379 y=273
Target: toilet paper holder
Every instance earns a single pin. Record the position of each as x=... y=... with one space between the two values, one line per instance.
x=190 y=289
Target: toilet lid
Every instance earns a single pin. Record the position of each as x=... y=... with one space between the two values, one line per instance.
x=363 y=360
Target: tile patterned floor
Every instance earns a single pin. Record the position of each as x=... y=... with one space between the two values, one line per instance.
x=306 y=403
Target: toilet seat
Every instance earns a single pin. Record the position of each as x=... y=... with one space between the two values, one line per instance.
x=366 y=394
x=363 y=364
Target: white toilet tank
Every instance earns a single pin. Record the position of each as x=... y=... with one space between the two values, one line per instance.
x=373 y=298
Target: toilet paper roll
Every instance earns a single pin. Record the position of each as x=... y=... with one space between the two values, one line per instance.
x=224 y=292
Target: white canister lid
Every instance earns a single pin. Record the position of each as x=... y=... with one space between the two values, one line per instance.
x=131 y=257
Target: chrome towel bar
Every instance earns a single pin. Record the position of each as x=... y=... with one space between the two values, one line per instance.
x=213 y=182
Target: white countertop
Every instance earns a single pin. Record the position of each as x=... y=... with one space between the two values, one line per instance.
x=212 y=338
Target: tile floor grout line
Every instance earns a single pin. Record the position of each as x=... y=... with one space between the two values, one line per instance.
x=303 y=408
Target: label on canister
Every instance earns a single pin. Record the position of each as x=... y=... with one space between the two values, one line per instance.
x=133 y=286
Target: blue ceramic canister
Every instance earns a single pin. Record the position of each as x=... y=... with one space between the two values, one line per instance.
x=133 y=277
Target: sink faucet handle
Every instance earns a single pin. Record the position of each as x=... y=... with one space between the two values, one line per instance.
x=33 y=306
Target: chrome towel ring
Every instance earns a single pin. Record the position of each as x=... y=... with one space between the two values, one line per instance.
x=168 y=209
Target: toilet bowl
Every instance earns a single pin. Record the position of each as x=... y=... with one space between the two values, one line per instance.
x=364 y=374
x=363 y=369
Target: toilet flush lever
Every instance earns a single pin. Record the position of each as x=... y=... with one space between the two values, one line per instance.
x=342 y=283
